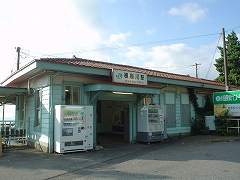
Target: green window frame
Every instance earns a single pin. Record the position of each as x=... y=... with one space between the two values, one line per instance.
x=38 y=107
x=71 y=95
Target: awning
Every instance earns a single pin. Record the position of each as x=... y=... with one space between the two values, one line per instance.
x=8 y=94
x=119 y=88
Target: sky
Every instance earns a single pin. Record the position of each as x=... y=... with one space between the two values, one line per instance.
x=9 y=112
x=152 y=34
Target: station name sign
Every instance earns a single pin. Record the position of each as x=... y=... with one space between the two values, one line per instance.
x=128 y=77
x=228 y=97
x=227 y=102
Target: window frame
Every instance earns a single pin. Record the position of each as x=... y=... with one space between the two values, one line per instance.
x=71 y=102
x=38 y=107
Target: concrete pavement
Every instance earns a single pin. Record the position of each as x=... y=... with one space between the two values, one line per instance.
x=197 y=157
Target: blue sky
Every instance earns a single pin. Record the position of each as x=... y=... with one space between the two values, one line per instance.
x=63 y=28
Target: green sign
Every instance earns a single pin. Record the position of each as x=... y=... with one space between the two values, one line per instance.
x=227 y=97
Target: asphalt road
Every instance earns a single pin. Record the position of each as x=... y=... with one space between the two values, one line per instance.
x=198 y=157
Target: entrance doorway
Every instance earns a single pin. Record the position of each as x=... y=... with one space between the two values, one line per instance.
x=112 y=122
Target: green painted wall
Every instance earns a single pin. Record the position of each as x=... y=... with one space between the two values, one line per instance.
x=179 y=129
x=56 y=98
x=30 y=115
x=38 y=135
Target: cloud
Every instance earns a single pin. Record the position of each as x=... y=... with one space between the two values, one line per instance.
x=118 y=39
x=44 y=27
x=151 y=31
x=238 y=35
x=56 y=27
x=191 y=11
x=174 y=58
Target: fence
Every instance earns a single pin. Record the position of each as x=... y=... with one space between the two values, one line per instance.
x=11 y=134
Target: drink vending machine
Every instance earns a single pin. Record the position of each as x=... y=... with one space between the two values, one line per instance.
x=151 y=124
x=73 y=128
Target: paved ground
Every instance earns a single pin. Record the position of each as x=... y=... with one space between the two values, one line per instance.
x=198 y=157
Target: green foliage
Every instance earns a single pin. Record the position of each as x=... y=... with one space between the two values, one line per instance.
x=221 y=126
x=199 y=123
x=233 y=60
x=197 y=126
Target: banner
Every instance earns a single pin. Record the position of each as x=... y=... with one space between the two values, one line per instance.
x=227 y=102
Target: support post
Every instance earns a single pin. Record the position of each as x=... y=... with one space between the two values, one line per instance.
x=18 y=57
x=225 y=61
x=196 y=69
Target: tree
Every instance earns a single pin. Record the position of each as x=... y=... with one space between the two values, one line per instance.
x=233 y=60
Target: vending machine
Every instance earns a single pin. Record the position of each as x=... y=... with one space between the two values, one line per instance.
x=73 y=128
x=151 y=124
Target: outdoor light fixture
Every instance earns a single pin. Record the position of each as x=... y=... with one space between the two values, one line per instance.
x=125 y=93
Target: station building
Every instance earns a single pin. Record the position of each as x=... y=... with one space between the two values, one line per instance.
x=116 y=92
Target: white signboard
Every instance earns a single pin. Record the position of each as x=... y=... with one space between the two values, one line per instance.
x=129 y=77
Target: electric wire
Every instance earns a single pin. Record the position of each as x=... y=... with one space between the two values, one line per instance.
x=138 y=44
x=213 y=57
x=29 y=55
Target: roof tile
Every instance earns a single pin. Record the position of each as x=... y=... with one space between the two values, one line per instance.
x=106 y=65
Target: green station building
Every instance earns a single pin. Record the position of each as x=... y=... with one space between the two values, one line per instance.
x=116 y=92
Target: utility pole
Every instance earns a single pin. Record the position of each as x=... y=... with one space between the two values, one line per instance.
x=196 y=69
x=225 y=61
x=18 y=57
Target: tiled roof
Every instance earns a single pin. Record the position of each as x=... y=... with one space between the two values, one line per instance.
x=110 y=66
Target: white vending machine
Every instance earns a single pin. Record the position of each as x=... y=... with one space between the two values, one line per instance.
x=73 y=128
x=151 y=124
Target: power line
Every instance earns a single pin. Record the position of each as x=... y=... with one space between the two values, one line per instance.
x=213 y=57
x=233 y=28
x=138 y=44
x=172 y=66
x=225 y=61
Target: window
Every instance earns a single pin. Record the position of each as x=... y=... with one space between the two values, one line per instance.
x=170 y=98
x=170 y=109
x=72 y=95
x=185 y=110
x=37 y=107
x=201 y=100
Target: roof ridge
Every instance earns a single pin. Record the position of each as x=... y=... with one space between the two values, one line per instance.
x=129 y=66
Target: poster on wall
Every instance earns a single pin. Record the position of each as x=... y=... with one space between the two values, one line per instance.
x=227 y=103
